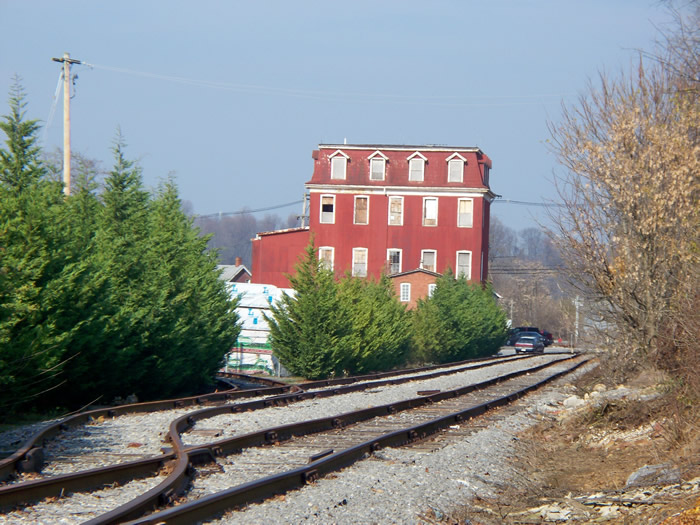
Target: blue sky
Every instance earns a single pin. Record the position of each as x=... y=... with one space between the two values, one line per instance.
x=233 y=96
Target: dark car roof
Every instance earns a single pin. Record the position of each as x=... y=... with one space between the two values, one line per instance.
x=529 y=334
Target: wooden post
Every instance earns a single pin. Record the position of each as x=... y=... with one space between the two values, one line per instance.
x=67 y=61
x=66 y=124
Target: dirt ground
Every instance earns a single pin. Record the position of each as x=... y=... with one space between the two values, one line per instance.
x=575 y=464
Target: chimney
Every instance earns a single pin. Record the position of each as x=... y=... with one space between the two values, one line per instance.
x=238 y=261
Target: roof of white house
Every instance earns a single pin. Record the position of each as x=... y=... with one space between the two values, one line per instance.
x=230 y=271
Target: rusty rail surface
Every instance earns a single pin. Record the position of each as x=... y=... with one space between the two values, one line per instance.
x=209 y=506
x=30 y=458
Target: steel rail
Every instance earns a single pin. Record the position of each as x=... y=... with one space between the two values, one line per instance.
x=213 y=505
x=380 y=375
x=187 y=421
x=30 y=456
x=173 y=486
x=54 y=486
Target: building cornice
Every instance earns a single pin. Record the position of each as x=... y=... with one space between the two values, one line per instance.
x=389 y=147
x=400 y=190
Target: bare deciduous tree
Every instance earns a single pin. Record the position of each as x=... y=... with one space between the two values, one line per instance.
x=628 y=228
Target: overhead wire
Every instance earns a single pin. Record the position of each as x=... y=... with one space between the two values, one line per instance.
x=245 y=211
x=52 y=111
x=439 y=100
x=287 y=204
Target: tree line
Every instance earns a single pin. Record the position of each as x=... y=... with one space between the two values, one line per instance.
x=113 y=291
x=331 y=327
x=103 y=294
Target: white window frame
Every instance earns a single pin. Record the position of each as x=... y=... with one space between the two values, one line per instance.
x=354 y=210
x=414 y=160
x=404 y=292
x=470 y=223
x=400 y=222
x=335 y=159
x=425 y=211
x=455 y=160
x=468 y=275
x=324 y=261
x=431 y=289
x=388 y=258
x=332 y=221
x=379 y=158
x=422 y=260
x=357 y=251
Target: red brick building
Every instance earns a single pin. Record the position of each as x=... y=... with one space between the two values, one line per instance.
x=377 y=208
x=413 y=285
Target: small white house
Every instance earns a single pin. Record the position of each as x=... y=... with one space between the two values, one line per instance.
x=252 y=352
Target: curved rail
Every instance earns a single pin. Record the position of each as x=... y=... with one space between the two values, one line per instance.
x=261 y=489
x=286 y=394
x=30 y=456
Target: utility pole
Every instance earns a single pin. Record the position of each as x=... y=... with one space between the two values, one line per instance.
x=577 y=303
x=67 y=61
x=303 y=215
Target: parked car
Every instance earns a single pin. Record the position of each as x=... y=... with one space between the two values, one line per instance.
x=516 y=332
x=530 y=343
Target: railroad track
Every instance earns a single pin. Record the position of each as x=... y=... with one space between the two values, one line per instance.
x=162 y=478
x=112 y=436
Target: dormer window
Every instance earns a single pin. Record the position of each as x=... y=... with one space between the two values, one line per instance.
x=339 y=163
x=455 y=168
x=416 y=167
x=377 y=166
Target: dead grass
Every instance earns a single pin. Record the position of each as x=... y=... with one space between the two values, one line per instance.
x=596 y=450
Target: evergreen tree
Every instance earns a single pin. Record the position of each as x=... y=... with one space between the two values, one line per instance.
x=380 y=330
x=460 y=321
x=194 y=320
x=20 y=165
x=31 y=259
x=308 y=331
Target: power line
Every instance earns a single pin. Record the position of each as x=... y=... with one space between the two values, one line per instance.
x=243 y=212
x=278 y=206
x=439 y=100
x=526 y=203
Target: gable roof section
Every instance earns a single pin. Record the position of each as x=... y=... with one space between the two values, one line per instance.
x=417 y=270
x=229 y=272
x=416 y=154
x=456 y=155
x=378 y=154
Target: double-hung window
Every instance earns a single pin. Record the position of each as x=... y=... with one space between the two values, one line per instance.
x=325 y=255
x=377 y=166
x=455 y=168
x=465 y=213
x=405 y=292
x=361 y=209
x=464 y=264
x=394 y=260
x=359 y=262
x=428 y=259
x=327 y=209
x=416 y=167
x=430 y=211
x=339 y=164
x=395 y=211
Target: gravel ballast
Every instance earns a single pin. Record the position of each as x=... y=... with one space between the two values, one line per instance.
x=401 y=485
